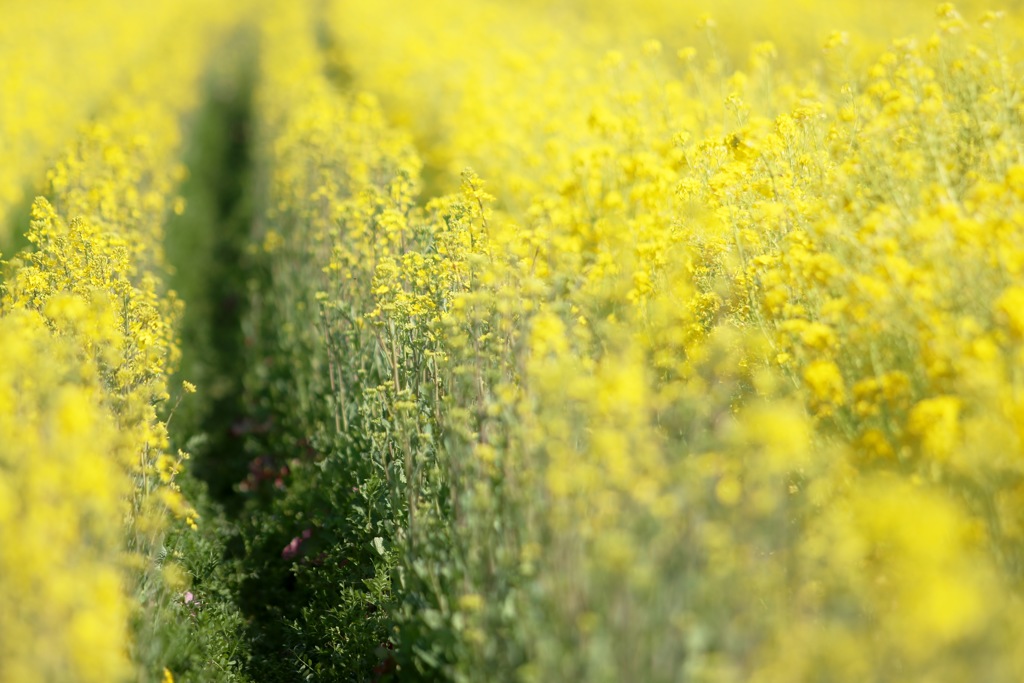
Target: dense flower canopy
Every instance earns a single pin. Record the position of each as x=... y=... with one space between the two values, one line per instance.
x=588 y=341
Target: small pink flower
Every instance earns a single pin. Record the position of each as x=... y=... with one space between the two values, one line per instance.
x=292 y=549
x=189 y=597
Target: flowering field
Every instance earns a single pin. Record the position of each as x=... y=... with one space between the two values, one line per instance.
x=511 y=341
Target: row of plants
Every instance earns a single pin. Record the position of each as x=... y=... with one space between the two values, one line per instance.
x=700 y=391
x=89 y=475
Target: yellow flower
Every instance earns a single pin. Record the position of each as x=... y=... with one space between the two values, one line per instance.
x=935 y=422
x=825 y=381
x=1009 y=310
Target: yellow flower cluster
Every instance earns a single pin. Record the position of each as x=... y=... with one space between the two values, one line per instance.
x=60 y=60
x=727 y=373
x=87 y=329
x=64 y=615
x=341 y=185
